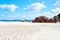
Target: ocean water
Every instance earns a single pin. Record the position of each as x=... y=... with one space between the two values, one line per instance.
x=15 y=20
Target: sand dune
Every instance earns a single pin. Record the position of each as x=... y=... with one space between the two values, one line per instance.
x=29 y=31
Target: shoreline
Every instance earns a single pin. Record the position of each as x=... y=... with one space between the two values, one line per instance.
x=28 y=24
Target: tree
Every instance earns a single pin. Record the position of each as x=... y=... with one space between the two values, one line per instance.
x=58 y=17
x=55 y=19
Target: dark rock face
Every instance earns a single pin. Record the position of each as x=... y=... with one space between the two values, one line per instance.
x=42 y=19
x=36 y=19
x=50 y=20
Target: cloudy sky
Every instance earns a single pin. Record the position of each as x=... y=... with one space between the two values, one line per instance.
x=28 y=9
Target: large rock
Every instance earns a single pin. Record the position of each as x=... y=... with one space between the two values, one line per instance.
x=42 y=19
x=51 y=20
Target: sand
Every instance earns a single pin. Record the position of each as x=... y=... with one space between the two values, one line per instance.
x=29 y=31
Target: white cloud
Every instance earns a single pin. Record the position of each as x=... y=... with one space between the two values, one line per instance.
x=24 y=8
x=2 y=15
x=24 y=16
x=10 y=7
x=56 y=10
x=35 y=7
x=57 y=3
x=49 y=14
x=52 y=13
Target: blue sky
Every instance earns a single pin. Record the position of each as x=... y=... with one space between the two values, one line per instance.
x=28 y=9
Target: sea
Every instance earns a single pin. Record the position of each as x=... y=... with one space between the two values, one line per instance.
x=15 y=20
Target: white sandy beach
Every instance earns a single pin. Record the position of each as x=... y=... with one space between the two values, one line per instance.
x=29 y=31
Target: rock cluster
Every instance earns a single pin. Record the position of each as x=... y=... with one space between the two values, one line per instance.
x=44 y=19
